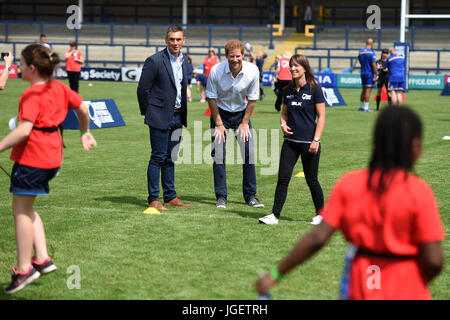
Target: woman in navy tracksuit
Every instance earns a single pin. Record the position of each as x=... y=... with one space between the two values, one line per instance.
x=303 y=103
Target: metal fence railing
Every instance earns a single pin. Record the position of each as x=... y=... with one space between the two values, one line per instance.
x=353 y=33
x=139 y=13
x=325 y=61
x=134 y=33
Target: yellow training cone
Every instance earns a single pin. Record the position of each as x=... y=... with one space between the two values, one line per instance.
x=301 y=174
x=151 y=210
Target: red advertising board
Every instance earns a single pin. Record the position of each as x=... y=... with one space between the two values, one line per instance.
x=447 y=79
x=12 y=73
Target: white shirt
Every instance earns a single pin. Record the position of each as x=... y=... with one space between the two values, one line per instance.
x=230 y=93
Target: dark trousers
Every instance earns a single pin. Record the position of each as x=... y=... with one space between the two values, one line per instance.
x=279 y=85
x=165 y=145
x=290 y=151
x=232 y=120
x=74 y=77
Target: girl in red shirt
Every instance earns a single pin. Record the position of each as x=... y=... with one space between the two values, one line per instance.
x=282 y=77
x=74 y=60
x=388 y=215
x=37 y=153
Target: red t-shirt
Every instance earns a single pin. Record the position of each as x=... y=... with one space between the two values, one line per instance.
x=71 y=64
x=46 y=105
x=396 y=222
x=209 y=63
x=285 y=73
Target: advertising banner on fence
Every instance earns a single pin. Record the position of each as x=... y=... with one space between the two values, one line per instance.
x=333 y=97
x=327 y=80
x=102 y=114
x=267 y=78
x=426 y=81
x=415 y=81
x=94 y=74
x=349 y=80
x=12 y=72
x=447 y=79
x=102 y=74
x=131 y=74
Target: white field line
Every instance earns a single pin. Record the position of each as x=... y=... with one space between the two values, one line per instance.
x=221 y=215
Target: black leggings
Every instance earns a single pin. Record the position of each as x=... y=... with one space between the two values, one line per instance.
x=279 y=85
x=74 y=77
x=290 y=151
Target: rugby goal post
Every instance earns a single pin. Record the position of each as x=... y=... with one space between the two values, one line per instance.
x=405 y=16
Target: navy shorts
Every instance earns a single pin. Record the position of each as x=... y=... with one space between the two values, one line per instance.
x=367 y=80
x=30 y=181
x=396 y=86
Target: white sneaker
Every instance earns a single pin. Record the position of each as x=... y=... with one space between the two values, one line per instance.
x=269 y=219
x=316 y=220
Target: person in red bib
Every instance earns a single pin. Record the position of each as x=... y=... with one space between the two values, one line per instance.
x=37 y=152
x=210 y=61
x=283 y=78
x=389 y=216
x=74 y=60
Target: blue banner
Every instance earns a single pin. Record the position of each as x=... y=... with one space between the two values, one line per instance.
x=102 y=114
x=327 y=80
x=267 y=77
x=333 y=97
x=446 y=91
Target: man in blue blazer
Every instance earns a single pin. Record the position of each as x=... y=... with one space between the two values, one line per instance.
x=162 y=100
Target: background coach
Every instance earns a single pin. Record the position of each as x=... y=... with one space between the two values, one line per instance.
x=162 y=99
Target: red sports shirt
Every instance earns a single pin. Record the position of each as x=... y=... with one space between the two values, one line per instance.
x=46 y=105
x=285 y=73
x=209 y=63
x=396 y=222
x=71 y=64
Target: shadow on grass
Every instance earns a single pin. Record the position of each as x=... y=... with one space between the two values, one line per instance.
x=139 y=202
x=4 y=296
x=252 y=213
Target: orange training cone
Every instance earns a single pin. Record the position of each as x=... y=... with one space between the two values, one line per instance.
x=384 y=96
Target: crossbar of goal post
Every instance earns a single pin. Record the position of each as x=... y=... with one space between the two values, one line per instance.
x=404 y=16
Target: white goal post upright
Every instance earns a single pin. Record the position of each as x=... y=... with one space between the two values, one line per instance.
x=405 y=16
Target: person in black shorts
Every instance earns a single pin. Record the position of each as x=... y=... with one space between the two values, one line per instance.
x=383 y=77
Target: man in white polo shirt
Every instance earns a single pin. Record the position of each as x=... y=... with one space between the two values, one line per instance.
x=232 y=92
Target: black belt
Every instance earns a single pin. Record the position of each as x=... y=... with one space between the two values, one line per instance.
x=52 y=129
x=46 y=129
x=388 y=256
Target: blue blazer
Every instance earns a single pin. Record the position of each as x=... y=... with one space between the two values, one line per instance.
x=157 y=92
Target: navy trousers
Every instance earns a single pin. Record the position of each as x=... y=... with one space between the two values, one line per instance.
x=231 y=120
x=165 y=145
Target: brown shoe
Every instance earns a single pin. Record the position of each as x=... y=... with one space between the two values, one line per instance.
x=157 y=205
x=176 y=202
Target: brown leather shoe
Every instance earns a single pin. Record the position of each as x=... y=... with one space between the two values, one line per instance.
x=176 y=202
x=157 y=205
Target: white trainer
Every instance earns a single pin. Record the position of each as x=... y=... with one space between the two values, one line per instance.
x=316 y=220
x=269 y=219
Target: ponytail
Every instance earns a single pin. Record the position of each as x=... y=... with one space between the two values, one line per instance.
x=42 y=58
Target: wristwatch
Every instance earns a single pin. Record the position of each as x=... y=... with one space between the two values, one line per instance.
x=317 y=140
x=9 y=68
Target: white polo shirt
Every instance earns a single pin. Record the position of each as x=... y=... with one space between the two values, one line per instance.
x=230 y=93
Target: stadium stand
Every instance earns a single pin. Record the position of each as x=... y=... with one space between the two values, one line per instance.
x=124 y=26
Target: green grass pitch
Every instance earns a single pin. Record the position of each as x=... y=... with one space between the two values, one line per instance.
x=93 y=215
